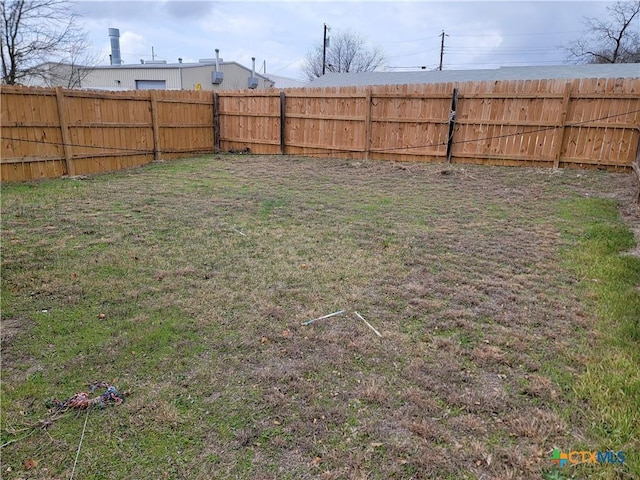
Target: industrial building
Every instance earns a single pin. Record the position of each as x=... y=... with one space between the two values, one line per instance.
x=206 y=74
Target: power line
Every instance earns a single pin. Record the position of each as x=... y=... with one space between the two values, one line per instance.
x=431 y=37
x=500 y=51
x=502 y=64
x=453 y=35
x=518 y=34
x=421 y=52
x=288 y=65
x=412 y=67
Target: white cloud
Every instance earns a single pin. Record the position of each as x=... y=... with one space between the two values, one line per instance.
x=481 y=34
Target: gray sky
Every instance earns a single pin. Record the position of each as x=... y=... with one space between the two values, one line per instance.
x=480 y=34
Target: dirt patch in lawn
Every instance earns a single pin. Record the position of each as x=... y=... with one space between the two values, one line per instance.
x=188 y=282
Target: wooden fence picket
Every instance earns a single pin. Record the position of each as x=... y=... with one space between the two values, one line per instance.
x=553 y=123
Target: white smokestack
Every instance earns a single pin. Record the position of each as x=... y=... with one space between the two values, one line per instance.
x=114 y=36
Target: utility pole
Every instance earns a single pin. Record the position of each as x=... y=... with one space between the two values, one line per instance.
x=325 y=44
x=442 y=49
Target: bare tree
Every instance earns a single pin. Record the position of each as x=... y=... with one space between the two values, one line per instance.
x=612 y=40
x=35 y=33
x=347 y=52
x=75 y=66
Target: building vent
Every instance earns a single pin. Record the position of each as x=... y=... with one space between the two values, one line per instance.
x=253 y=80
x=216 y=75
x=216 y=78
x=114 y=36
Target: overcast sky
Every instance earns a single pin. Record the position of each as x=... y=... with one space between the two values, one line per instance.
x=480 y=34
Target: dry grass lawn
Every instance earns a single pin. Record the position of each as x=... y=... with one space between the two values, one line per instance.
x=204 y=271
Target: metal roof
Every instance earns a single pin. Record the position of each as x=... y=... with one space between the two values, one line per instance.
x=151 y=65
x=609 y=70
x=162 y=65
x=286 y=82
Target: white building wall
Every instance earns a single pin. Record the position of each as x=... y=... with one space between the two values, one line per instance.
x=124 y=78
x=234 y=78
x=176 y=76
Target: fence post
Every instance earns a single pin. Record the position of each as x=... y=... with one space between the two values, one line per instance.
x=282 y=122
x=64 y=129
x=452 y=123
x=635 y=165
x=216 y=123
x=154 y=123
x=566 y=98
x=367 y=125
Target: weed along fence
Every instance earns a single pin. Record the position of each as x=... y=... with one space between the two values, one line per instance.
x=549 y=123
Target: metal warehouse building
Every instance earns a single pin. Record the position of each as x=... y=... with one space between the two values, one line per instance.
x=204 y=75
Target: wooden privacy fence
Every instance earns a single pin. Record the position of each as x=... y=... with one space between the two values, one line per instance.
x=554 y=123
x=53 y=132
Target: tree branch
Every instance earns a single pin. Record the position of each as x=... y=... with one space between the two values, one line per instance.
x=613 y=41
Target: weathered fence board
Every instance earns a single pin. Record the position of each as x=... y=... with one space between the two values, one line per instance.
x=554 y=123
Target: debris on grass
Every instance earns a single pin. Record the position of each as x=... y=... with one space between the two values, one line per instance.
x=238 y=231
x=368 y=324
x=81 y=400
x=308 y=322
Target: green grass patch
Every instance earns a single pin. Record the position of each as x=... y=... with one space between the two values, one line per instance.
x=610 y=279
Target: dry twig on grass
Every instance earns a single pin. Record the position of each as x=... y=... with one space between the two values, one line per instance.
x=308 y=322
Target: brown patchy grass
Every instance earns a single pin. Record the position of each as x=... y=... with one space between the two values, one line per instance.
x=205 y=269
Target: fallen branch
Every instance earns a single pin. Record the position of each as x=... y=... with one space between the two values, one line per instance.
x=324 y=316
x=18 y=439
x=368 y=324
